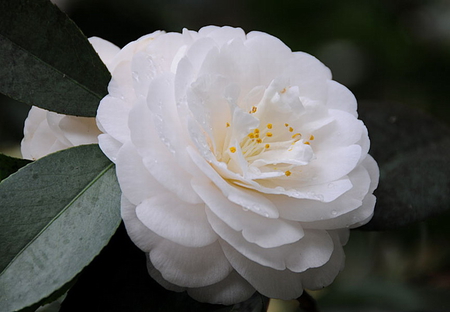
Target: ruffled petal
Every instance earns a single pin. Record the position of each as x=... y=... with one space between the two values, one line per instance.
x=178 y=221
x=190 y=267
x=228 y=291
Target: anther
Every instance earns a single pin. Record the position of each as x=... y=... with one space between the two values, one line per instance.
x=311 y=137
x=233 y=149
x=269 y=134
x=287 y=173
x=269 y=126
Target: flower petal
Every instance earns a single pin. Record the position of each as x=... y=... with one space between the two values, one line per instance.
x=132 y=175
x=265 y=232
x=246 y=198
x=228 y=291
x=190 y=267
x=178 y=221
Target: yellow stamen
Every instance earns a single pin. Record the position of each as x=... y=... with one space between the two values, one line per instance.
x=228 y=124
x=307 y=143
x=256 y=130
x=269 y=126
x=233 y=149
x=295 y=135
x=286 y=125
x=269 y=134
x=291 y=129
x=267 y=146
x=251 y=135
x=258 y=141
x=311 y=137
x=254 y=109
x=287 y=173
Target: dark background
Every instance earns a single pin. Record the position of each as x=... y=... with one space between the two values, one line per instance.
x=385 y=51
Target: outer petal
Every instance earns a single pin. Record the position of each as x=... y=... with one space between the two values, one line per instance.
x=265 y=232
x=190 y=267
x=313 y=250
x=228 y=291
x=175 y=220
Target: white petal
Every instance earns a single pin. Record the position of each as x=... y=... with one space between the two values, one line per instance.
x=269 y=282
x=372 y=168
x=343 y=131
x=105 y=49
x=180 y=222
x=79 y=130
x=317 y=278
x=156 y=275
x=308 y=210
x=309 y=74
x=169 y=168
x=331 y=165
x=228 y=291
x=190 y=267
x=339 y=97
x=112 y=117
x=267 y=233
x=248 y=199
x=135 y=181
x=138 y=232
x=312 y=250
x=109 y=146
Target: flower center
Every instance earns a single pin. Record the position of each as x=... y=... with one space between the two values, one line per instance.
x=276 y=148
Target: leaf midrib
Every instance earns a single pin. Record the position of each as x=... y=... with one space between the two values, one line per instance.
x=54 y=69
x=93 y=181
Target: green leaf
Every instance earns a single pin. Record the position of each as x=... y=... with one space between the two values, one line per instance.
x=46 y=61
x=56 y=214
x=412 y=150
x=9 y=165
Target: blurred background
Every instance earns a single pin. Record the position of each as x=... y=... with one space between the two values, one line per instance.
x=395 y=51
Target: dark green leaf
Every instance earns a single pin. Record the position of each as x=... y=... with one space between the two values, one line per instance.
x=413 y=152
x=57 y=213
x=46 y=61
x=9 y=165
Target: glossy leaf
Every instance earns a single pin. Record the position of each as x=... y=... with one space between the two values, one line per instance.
x=9 y=165
x=413 y=152
x=56 y=214
x=46 y=61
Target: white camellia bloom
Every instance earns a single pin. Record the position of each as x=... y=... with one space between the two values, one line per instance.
x=242 y=164
x=46 y=132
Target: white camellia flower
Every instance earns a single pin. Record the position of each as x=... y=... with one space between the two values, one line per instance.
x=46 y=132
x=242 y=164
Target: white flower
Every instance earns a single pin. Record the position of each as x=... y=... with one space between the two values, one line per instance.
x=242 y=164
x=46 y=132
